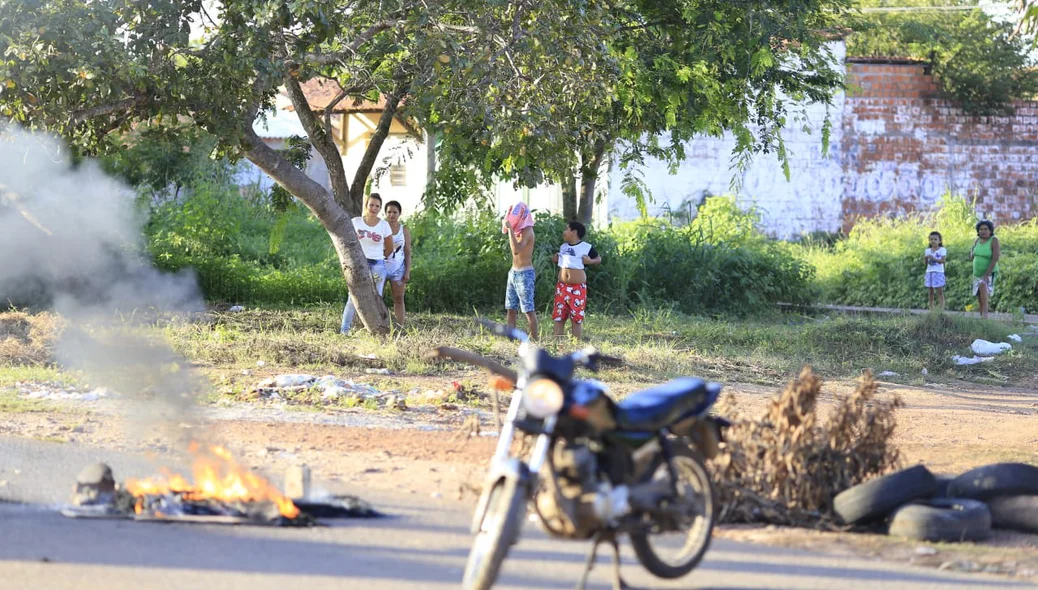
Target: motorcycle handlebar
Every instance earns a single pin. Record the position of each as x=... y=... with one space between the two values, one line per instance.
x=503 y=330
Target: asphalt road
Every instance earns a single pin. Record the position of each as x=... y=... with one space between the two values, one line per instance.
x=423 y=544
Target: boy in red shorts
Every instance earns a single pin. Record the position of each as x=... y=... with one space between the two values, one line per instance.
x=571 y=290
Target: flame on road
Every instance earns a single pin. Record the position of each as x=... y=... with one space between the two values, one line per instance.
x=216 y=476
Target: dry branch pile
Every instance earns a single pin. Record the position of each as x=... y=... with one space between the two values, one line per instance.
x=28 y=339
x=785 y=467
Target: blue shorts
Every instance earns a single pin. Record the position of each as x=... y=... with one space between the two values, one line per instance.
x=519 y=293
x=395 y=272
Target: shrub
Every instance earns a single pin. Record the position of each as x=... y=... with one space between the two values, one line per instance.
x=880 y=261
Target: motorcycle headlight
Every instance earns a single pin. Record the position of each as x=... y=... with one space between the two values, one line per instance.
x=542 y=398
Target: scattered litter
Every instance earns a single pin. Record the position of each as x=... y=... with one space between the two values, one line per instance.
x=378 y=371
x=436 y=495
x=1015 y=338
x=334 y=392
x=972 y=360
x=924 y=550
x=984 y=347
x=289 y=380
x=890 y=374
x=235 y=308
x=370 y=357
x=261 y=363
x=68 y=395
x=924 y=371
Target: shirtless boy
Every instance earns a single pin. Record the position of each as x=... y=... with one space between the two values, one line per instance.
x=518 y=224
x=571 y=290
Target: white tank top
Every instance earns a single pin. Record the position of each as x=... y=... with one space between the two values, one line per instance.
x=397 y=257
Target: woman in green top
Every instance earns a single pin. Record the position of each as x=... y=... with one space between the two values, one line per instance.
x=984 y=254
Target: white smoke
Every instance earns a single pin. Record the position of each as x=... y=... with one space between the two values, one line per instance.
x=71 y=238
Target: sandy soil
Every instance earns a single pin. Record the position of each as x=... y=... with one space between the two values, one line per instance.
x=428 y=451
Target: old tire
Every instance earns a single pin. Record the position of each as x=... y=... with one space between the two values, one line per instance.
x=1015 y=512
x=877 y=498
x=943 y=481
x=692 y=471
x=998 y=479
x=942 y=519
x=501 y=526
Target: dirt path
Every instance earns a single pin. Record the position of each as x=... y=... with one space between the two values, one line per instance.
x=950 y=428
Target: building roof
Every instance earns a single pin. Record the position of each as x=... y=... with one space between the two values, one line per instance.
x=320 y=92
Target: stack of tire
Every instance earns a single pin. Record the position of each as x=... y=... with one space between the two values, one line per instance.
x=915 y=504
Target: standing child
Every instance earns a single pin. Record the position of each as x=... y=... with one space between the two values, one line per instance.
x=518 y=224
x=934 y=258
x=571 y=290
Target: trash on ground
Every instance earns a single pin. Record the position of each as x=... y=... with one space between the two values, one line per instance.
x=1015 y=338
x=972 y=360
x=983 y=347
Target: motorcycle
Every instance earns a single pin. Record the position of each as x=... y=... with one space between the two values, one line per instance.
x=598 y=469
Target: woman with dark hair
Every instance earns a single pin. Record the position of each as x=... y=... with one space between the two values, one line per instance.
x=985 y=254
x=398 y=264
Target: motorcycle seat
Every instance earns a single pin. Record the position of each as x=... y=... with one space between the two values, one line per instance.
x=656 y=408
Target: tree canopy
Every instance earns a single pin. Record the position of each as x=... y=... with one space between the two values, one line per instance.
x=682 y=68
x=981 y=63
x=87 y=69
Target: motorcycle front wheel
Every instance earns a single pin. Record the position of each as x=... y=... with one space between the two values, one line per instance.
x=499 y=531
x=692 y=526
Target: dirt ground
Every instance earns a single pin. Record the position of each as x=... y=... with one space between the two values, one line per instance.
x=426 y=451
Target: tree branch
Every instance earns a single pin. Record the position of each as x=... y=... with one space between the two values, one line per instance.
x=321 y=139
x=324 y=59
x=375 y=145
x=105 y=109
x=295 y=181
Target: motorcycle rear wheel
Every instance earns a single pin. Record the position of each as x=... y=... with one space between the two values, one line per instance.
x=499 y=531
x=693 y=477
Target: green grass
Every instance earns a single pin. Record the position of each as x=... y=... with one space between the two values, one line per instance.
x=12 y=403
x=656 y=345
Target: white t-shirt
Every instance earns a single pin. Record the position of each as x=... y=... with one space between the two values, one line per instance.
x=372 y=237
x=934 y=266
x=572 y=255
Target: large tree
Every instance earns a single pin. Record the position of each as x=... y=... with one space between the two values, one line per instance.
x=88 y=69
x=683 y=68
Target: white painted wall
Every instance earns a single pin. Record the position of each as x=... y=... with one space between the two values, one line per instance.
x=810 y=200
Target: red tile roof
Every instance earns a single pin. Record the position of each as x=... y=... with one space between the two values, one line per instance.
x=320 y=92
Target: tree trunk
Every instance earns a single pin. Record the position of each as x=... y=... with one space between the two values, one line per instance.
x=335 y=220
x=588 y=177
x=569 y=198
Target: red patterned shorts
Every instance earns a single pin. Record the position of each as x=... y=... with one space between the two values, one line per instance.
x=570 y=302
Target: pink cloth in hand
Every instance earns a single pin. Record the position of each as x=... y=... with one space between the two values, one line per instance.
x=519 y=217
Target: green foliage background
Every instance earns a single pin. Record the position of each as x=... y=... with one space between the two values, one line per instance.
x=880 y=262
x=979 y=62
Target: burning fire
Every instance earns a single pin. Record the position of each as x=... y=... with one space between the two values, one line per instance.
x=217 y=476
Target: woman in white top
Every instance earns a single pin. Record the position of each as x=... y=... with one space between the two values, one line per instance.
x=376 y=238
x=398 y=264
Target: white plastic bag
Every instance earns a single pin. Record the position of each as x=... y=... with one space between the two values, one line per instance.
x=983 y=347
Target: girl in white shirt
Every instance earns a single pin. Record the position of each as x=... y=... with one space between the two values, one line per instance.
x=934 y=258
x=376 y=238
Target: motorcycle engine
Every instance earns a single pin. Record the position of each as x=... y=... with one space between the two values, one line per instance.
x=566 y=505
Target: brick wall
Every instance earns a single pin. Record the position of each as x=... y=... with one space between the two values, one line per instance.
x=903 y=147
